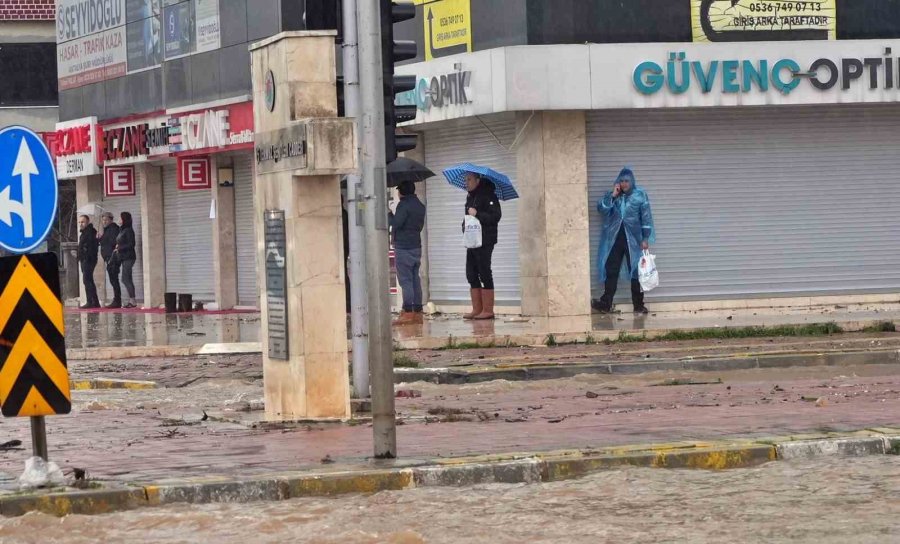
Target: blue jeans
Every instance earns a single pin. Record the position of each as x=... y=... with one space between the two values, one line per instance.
x=408 y=262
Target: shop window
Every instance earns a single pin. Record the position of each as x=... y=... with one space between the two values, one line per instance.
x=29 y=74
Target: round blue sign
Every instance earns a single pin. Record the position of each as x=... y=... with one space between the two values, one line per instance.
x=28 y=190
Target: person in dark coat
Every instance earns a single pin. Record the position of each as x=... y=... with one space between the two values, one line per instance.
x=406 y=226
x=107 y=247
x=87 y=257
x=483 y=204
x=126 y=254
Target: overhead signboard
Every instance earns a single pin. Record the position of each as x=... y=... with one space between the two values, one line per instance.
x=448 y=27
x=90 y=41
x=762 y=20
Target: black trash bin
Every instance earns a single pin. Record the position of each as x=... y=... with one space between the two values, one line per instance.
x=185 y=302
x=171 y=304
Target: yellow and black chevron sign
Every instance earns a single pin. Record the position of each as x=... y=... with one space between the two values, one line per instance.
x=34 y=380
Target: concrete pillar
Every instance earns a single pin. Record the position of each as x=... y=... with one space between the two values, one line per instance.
x=89 y=190
x=313 y=382
x=224 y=241
x=153 y=234
x=554 y=241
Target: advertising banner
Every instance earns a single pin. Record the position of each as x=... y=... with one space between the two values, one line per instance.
x=207 y=15
x=144 y=34
x=91 y=59
x=762 y=20
x=178 y=29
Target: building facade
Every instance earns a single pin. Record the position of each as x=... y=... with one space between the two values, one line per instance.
x=766 y=143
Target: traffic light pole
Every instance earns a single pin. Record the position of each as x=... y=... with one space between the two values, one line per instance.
x=372 y=165
x=359 y=304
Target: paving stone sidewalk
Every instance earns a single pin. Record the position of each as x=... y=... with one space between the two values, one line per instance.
x=149 y=435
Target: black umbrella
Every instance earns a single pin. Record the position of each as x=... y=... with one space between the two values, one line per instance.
x=404 y=169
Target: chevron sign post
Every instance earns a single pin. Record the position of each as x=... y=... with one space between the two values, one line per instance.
x=34 y=380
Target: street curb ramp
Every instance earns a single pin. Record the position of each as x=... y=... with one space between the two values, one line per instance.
x=509 y=469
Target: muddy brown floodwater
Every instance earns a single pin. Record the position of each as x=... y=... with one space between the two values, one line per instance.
x=836 y=500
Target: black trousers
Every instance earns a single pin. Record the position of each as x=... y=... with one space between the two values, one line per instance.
x=613 y=265
x=90 y=288
x=112 y=272
x=478 y=267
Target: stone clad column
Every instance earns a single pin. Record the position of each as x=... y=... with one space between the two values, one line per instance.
x=554 y=242
x=312 y=382
x=224 y=241
x=153 y=234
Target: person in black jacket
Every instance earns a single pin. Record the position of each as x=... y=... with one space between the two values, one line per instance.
x=107 y=247
x=483 y=204
x=87 y=257
x=406 y=227
x=126 y=255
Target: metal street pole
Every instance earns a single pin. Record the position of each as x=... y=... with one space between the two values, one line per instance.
x=359 y=303
x=372 y=164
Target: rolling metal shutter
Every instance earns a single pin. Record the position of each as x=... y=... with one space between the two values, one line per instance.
x=244 y=230
x=468 y=140
x=132 y=204
x=752 y=202
x=189 y=239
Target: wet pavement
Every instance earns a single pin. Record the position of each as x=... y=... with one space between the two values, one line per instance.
x=87 y=329
x=134 y=328
x=152 y=434
x=831 y=500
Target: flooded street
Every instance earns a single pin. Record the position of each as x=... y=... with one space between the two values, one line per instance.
x=837 y=500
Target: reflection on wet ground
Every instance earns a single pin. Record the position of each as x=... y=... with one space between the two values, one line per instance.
x=111 y=329
x=832 y=500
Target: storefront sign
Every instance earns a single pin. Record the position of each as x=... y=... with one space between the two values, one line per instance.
x=119 y=181
x=276 y=283
x=78 y=18
x=782 y=75
x=281 y=150
x=214 y=129
x=194 y=173
x=439 y=91
x=130 y=143
x=451 y=87
x=762 y=20
x=75 y=145
x=448 y=27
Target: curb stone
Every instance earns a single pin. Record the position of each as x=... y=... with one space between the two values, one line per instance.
x=535 y=371
x=511 y=468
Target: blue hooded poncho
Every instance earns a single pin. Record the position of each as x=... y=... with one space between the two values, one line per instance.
x=632 y=209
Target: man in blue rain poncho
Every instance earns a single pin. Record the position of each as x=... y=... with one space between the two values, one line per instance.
x=627 y=230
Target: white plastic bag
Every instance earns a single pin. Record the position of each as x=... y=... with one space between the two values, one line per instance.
x=472 y=232
x=40 y=473
x=647 y=273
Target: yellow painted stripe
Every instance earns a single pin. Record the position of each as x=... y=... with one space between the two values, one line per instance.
x=26 y=277
x=35 y=405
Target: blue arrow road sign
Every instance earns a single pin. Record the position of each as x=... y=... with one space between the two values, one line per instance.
x=28 y=190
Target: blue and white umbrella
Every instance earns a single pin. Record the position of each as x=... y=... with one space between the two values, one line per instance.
x=456 y=175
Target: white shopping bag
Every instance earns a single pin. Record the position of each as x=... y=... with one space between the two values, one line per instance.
x=472 y=232
x=647 y=273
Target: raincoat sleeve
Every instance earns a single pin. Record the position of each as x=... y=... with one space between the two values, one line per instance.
x=648 y=231
x=605 y=204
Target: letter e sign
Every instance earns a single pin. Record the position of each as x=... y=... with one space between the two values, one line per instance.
x=119 y=180
x=194 y=173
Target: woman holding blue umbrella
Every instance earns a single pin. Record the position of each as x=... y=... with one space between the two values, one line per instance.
x=486 y=189
x=483 y=204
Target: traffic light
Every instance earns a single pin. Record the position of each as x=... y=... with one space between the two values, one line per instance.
x=392 y=52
